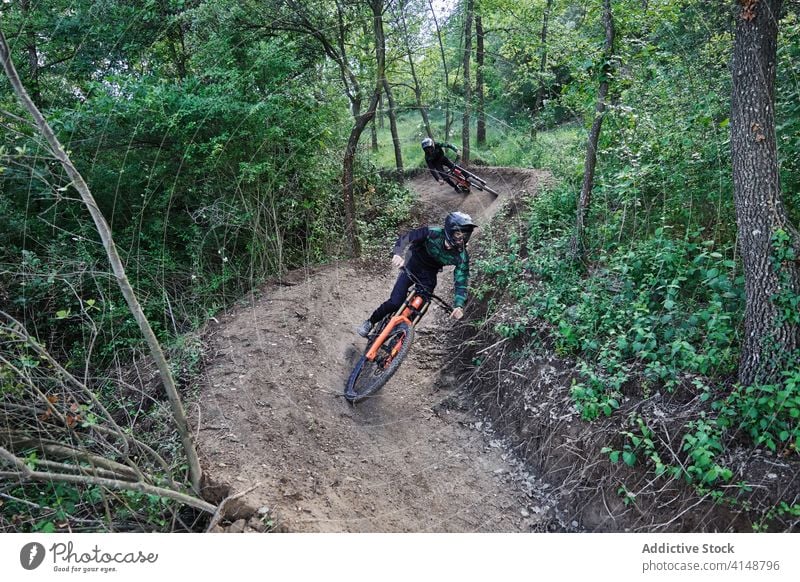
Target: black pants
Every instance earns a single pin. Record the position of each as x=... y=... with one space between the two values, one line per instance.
x=447 y=179
x=443 y=174
x=400 y=291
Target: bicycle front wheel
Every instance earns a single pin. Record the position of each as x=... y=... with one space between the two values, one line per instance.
x=369 y=376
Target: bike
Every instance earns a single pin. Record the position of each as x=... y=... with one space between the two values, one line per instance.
x=460 y=180
x=465 y=180
x=388 y=344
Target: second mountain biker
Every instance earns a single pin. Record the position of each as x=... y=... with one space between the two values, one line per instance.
x=431 y=249
x=436 y=160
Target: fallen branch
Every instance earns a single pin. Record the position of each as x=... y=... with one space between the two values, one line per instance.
x=220 y=513
x=25 y=473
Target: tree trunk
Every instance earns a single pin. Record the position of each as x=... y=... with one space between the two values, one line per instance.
x=398 y=153
x=423 y=111
x=178 y=52
x=350 y=227
x=33 y=53
x=447 y=118
x=479 y=84
x=543 y=62
x=760 y=213
x=467 y=87
x=303 y=21
x=104 y=231
x=578 y=242
x=373 y=130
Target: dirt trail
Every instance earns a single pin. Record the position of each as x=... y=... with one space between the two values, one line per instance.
x=272 y=420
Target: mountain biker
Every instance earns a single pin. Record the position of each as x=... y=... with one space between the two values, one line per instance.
x=432 y=248
x=436 y=159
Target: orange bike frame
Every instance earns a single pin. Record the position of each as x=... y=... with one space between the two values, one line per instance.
x=410 y=312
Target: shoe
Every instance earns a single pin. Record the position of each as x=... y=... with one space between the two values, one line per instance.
x=364 y=329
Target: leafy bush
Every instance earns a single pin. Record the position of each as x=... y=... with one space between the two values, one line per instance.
x=768 y=413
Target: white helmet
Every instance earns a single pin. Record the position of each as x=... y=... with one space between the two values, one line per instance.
x=427 y=143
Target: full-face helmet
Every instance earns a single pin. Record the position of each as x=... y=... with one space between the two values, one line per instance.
x=458 y=227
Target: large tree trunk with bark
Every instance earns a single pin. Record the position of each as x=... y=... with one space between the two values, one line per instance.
x=584 y=202
x=769 y=332
x=469 y=9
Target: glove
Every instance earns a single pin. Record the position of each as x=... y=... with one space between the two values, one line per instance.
x=397 y=261
x=458 y=313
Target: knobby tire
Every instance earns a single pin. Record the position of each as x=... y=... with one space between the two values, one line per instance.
x=369 y=376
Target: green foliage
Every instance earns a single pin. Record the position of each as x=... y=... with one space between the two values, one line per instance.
x=210 y=186
x=213 y=152
x=641 y=444
x=769 y=414
x=598 y=394
x=54 y=505
x=781 y=509
x=61 y=507
x=670 y=305
x=786 y=300
x=661 y=304
x=384 y=211
x=703 y=443
x=787 y=113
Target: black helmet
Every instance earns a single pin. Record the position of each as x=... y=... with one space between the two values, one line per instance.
x=427 y=143
x=458 y=222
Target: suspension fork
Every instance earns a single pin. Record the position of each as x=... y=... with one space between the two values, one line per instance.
x=410 y=312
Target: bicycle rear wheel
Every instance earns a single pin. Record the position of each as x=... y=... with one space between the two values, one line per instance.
x=369 y=376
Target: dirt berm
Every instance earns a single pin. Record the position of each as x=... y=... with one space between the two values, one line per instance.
x=273 y=425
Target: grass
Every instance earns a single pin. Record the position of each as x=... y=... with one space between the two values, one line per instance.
x=505 y=145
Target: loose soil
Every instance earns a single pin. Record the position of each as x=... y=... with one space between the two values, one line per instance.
x=273 y=428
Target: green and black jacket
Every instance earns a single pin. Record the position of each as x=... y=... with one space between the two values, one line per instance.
x=429 y=255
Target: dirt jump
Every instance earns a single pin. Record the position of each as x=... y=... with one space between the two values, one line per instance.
x=279 y=440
